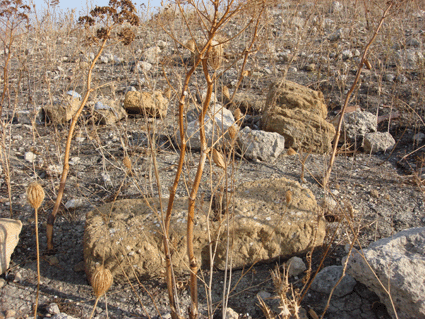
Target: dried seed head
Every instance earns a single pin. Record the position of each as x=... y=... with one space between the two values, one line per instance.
x=288 y=195
x=167 y=93
x=233 y=132
x=218 y=159
x=35 y=195
x=101 y=281
x=238 y=114
x=226 y=92
x=127 y=162
x=291 y=151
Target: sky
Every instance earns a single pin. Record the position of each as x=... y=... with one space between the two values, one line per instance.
x=82 y=4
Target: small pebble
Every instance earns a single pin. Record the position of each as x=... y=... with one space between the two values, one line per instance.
x=374 y=193
x=53 y=309
x=30 y=157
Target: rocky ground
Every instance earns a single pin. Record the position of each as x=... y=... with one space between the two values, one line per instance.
x=385 y=189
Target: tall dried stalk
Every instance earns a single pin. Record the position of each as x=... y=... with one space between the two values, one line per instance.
x=353 y=86
x=110 y=19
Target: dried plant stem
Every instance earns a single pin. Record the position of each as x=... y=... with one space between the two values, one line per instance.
x=52 y=216
x=347 y=98
x=38 y=263
x=94 y=307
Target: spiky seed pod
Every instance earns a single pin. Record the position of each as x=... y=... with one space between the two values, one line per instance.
x=233 y=132
x=226 y=92
x=218 y=159
x=167 y=93
x=127 y=162
x=101 y=281
x=238 y=114
x=35 y=195
x=288 y=195
x=290 y=151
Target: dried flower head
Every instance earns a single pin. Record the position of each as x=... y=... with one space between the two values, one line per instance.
x=226 y=92
x=127 y=162
x=35 y=195
x=233 y=132
x=218 y=159
x=101 y=281
x=238 y=114
x=288 y=196
x=291 y=151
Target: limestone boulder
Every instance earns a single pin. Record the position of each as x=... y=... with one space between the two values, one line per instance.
x=399 y=263
x=299 y=114
x=257 y=144
x=151 y=105
x=378 y=142
x=109 y=111
x=127 y=234
x=62 y=110
x=216 y=124
x=264 y=226
x=9 y=237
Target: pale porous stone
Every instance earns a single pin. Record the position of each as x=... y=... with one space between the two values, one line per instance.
x=62 y=111
x=9 y=237
x=109 y=111
x=265 y=146
x=266 y=227
x=152 y=105
x=299 y=114
x=328 y=277
x=151 y=55
x=398 y=262
x=378 y=142
x=216 y=124
x=357 y=124
x=295 y=266
x=263 y=227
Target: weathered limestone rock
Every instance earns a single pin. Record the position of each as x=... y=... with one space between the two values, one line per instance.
x=109 y=111
x=9 y=237
x=128 y=234
x=152 y=105
x=299 y=114
x=265 y=146
x=62 y=111
x=357 y=124
x=215 y=130
x=265 y=227
x=378 y=142
x=398 y=262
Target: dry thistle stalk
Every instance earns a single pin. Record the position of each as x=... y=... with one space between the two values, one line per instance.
x=35 y=196
x=218 y=159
